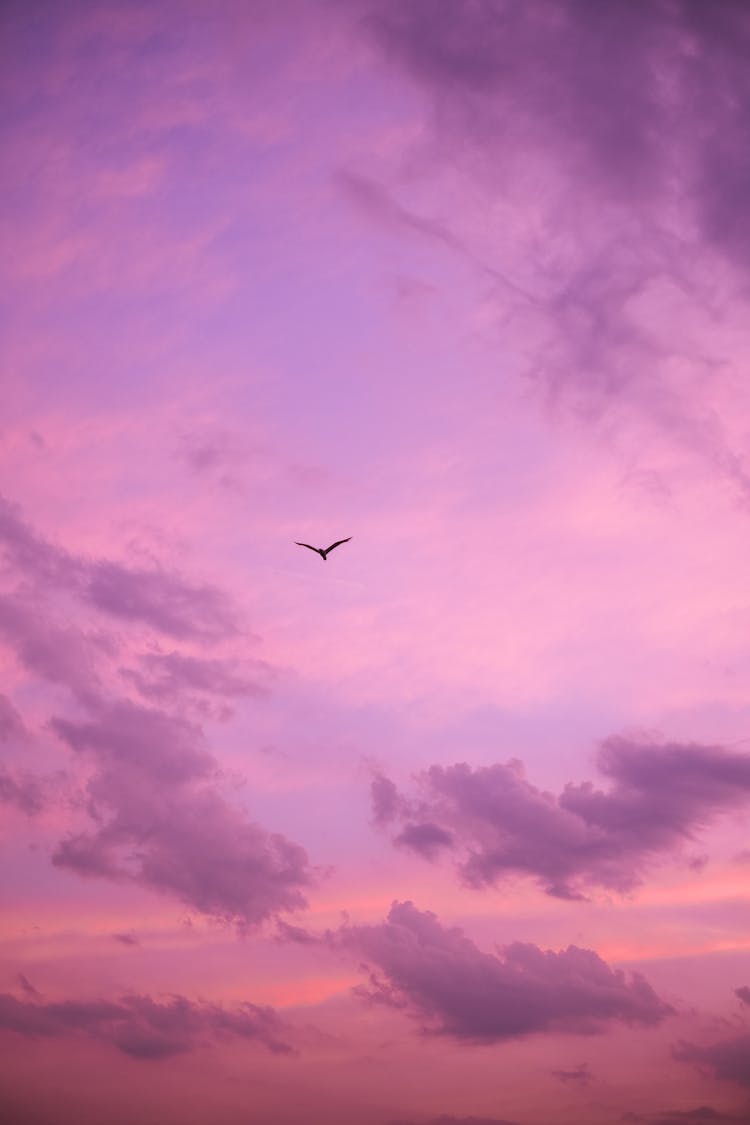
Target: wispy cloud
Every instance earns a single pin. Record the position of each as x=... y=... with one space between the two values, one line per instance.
x=144 y=1028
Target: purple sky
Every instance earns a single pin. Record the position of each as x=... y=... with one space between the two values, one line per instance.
x=451 y=829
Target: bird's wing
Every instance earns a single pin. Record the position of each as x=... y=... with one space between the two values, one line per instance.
x=337 y=544
x=317 y=552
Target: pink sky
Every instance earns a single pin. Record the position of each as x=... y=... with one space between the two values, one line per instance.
x=451 y=829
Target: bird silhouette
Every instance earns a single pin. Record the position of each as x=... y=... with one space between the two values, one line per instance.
x=323 y=551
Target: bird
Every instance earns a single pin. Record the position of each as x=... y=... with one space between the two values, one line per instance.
x=323 y=551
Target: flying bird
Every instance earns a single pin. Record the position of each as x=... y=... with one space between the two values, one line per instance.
x=323 y=551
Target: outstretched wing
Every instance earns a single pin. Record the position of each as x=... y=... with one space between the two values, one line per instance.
x=336 y=544
x=317 y=552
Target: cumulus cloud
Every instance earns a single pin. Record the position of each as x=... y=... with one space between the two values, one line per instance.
x=452 y=988
x=162 y=822
x=659 y=796
x=142 y=1027
x=728 y=1059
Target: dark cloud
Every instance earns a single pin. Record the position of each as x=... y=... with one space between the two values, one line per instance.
x=743 y=994
x=154 y=596
x=728 y=1059
x=625 y=123
x=620 y=93
x=659 y=796
x=162 y=822
x=142 y=1027
x=455 y=989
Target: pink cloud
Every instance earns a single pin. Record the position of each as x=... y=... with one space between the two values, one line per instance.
x=447 y=1119
x=155 y=596
x=172 y=677
x=141 y=1027
x=452 y=988
x=728 y=1059
x=660 y=795
x=163 y=824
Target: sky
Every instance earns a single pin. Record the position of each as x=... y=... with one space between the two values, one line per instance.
x=450 y=828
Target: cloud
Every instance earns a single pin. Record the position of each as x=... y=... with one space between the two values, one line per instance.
x=155 y=596
x=728 y=1059
x=452 y=988
x=142 y=1027
x=54 y=651
x=578 y=1076
x=699 y=1116
x=659 y=796
x=160 y=599
x=385 y=800
x=673 y=92
x=175 y=676
x=743 y=994
x=606 y=141
x=126 y=939
x=26 y=986
x=161 y=821
x=11 y=724
x=29 y=554
x=375 y=200
x=447 y=1119
x=24 y=790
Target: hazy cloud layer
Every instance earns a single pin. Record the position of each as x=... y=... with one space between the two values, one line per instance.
x=701 y=1115
x=659 y=796
x=142 y=1027
x=447 y=1119
x=452 y=988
